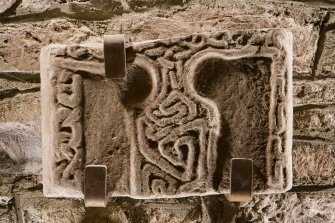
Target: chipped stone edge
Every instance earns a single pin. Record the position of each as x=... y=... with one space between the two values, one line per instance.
x=50 y=189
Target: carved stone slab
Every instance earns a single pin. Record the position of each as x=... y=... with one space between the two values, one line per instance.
x=187 y=107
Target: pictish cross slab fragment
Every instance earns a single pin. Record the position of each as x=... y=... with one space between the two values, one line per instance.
x=186 y=106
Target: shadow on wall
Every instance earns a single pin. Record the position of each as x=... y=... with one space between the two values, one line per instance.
x=20 y=149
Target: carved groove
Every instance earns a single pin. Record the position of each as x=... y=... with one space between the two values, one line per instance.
x=178 y=131
x=68 y=129
x=178 y=135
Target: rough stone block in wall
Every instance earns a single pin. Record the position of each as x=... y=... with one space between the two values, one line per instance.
x=325 y=61
x=7 y=210
x=313 y=163
x=22 y=108
x=289 y=207
x=318 y=92
x=22 y=28
x=20 y=149
x=203 y=19
x=177 y=103
x=318 y=123
x=21 y=43
x=12 y=183
x=5 y=5
x=29 y=38
x=33 y=207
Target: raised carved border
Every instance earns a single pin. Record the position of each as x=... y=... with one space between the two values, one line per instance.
x=275 y=44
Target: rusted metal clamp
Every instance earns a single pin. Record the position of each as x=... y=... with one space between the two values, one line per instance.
x=115 y=56
x=241 y=178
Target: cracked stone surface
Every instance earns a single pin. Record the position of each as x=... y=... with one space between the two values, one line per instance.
x=176 y=125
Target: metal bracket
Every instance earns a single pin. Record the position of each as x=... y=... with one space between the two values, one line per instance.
x=115 y=56
x=95 y=186
x=241 y=177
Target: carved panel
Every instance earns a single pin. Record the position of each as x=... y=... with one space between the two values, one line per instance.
x=187 y=106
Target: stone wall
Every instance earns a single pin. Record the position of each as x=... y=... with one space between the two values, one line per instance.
x=28 y=25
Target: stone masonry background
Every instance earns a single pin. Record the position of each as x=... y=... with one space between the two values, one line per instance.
x=28 y=25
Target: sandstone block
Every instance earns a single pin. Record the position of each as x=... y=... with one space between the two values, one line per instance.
x=289 y=207
x=32 y=207
x=5 y=5
x=157 y=130
x=201 y=19
x=11 y=183
x=173 y=211
x=20 y=43
x=20 y=149
x=33 y=7
x=23 y=108
x=303 y=21
x=313 y=163
x=319 y=92
x=315 y=123
x=325 y=66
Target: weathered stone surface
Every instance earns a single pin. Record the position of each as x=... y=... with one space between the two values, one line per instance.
x=171 y=112
x=313 y=163
x=169 y=211
x=33 y=7
x=20 y=149
x=5 y=4
x=23 y=108
x=32 y=207
x=318 y=92
x=326 y=67
x=303 y=21
x=325 y=62
x=316 y=123
x=7 y=211
x=289 y=207
x=20 y=44
x=200 y=19
x=12 y=183
x=10 y=88
x=97 y=9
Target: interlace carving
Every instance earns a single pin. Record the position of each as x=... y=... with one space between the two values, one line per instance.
x=68 y=97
